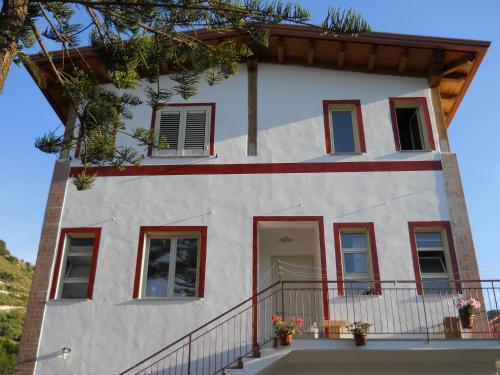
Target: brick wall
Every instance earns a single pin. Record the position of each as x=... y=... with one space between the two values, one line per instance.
x=41 y=278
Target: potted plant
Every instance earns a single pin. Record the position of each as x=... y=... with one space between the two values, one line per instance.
x=467 y=311
x=359 y=330
x=285 y=330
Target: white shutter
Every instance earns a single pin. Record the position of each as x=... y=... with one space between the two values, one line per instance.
x=169 y=129
x=195 y=133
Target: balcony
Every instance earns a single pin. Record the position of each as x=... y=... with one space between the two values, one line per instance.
x=408 y=314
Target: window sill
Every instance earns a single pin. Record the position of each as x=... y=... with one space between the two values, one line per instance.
x=180 y=156
x=419 y=151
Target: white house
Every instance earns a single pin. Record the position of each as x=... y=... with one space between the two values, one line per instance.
x=317 y=182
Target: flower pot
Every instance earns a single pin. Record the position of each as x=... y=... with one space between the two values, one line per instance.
x=275 y=342
x=286 y=340
x=467 y=321
x=360 y=339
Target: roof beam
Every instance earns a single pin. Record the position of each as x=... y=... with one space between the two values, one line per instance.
x=281 y=49
x=448 y=96
x=310 y=52
x=435 y=73
x=454 y=65
x=373 y=57
x=403 y=61
x=341 y=57
x=456 y=76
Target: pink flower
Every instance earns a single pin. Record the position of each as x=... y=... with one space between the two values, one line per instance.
x=275 y=318
x=300 y=322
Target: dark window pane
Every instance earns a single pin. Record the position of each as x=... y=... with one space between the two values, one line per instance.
x=355 y=263
x=432 y=262
x=353 y=240
x=185 y=267
x=77 y=268
x=74 y=290
x=429 y=239
x=158 y=267
x=343 y=133
x=410 y=137
x=81 y=245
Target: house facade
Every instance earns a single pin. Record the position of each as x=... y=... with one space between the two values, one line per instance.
x=317 y=182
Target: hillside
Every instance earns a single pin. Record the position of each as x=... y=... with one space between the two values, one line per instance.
x=15 y=281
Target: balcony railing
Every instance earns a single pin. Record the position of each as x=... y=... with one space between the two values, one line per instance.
x=396 y=309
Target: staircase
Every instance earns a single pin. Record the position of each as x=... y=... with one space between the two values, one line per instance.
x=222 y=343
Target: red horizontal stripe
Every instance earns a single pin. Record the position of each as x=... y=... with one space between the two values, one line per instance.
x=207 y=169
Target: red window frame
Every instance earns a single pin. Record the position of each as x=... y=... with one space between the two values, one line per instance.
x=143 y=231
x=359 y=120
x=368 y=227
x=413 y=227
x=65 y=232
x=211 y=147
x=427 y=118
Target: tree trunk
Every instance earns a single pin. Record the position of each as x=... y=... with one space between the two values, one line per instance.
x=12 y=21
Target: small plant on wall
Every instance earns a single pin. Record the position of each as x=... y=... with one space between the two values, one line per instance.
x=467 y=311
x=286 y=329
x=359 y=331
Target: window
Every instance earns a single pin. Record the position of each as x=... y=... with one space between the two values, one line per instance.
x=411 y=124
x=75 y=263
x=432 y=260
x=356 y=257
x=343 y=126
x=173 y=262
x=185 y=130
x=433 y=256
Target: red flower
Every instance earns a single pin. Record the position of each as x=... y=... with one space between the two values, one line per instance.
x=275 y=318
x=300 y=322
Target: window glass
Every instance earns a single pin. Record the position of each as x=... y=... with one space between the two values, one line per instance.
x=355 y=263
x=77 y=267
x=432 y=264
x=172 y=267
x=158 y=267
x=357 y=288
x=429 y=239
x=409 y=128
x=353 y=240
x=343 y=132
x=185 y=267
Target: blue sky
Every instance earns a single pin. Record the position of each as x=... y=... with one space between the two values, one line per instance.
x=25 y=172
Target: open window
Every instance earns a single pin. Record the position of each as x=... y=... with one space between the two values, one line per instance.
x=356 y=257
x=411 y=124
x=76 y=260
x=434 y=256
x=171 y=264
x=184 y=130
x=343 y=126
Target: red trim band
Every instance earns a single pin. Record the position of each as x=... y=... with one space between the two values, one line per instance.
x=263 y=168
x=359 y=120
x=423 y=102
x=370 y=228
x=444 y=225
x=60 y=253
x=140 y=254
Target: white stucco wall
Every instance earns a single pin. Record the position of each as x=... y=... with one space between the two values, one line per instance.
x=113 y=331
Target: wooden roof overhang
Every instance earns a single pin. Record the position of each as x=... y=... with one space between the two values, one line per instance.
x=449 y=64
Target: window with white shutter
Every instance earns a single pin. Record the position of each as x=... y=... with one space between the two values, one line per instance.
x=184 y=130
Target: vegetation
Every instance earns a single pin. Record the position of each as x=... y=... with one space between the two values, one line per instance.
x=133 y=39
x=15 y=281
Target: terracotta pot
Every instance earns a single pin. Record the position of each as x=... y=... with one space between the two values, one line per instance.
x=467 y=321
x=286 y=340
x=360 y=339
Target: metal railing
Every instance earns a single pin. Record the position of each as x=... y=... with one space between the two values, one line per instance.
x=395 y=309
